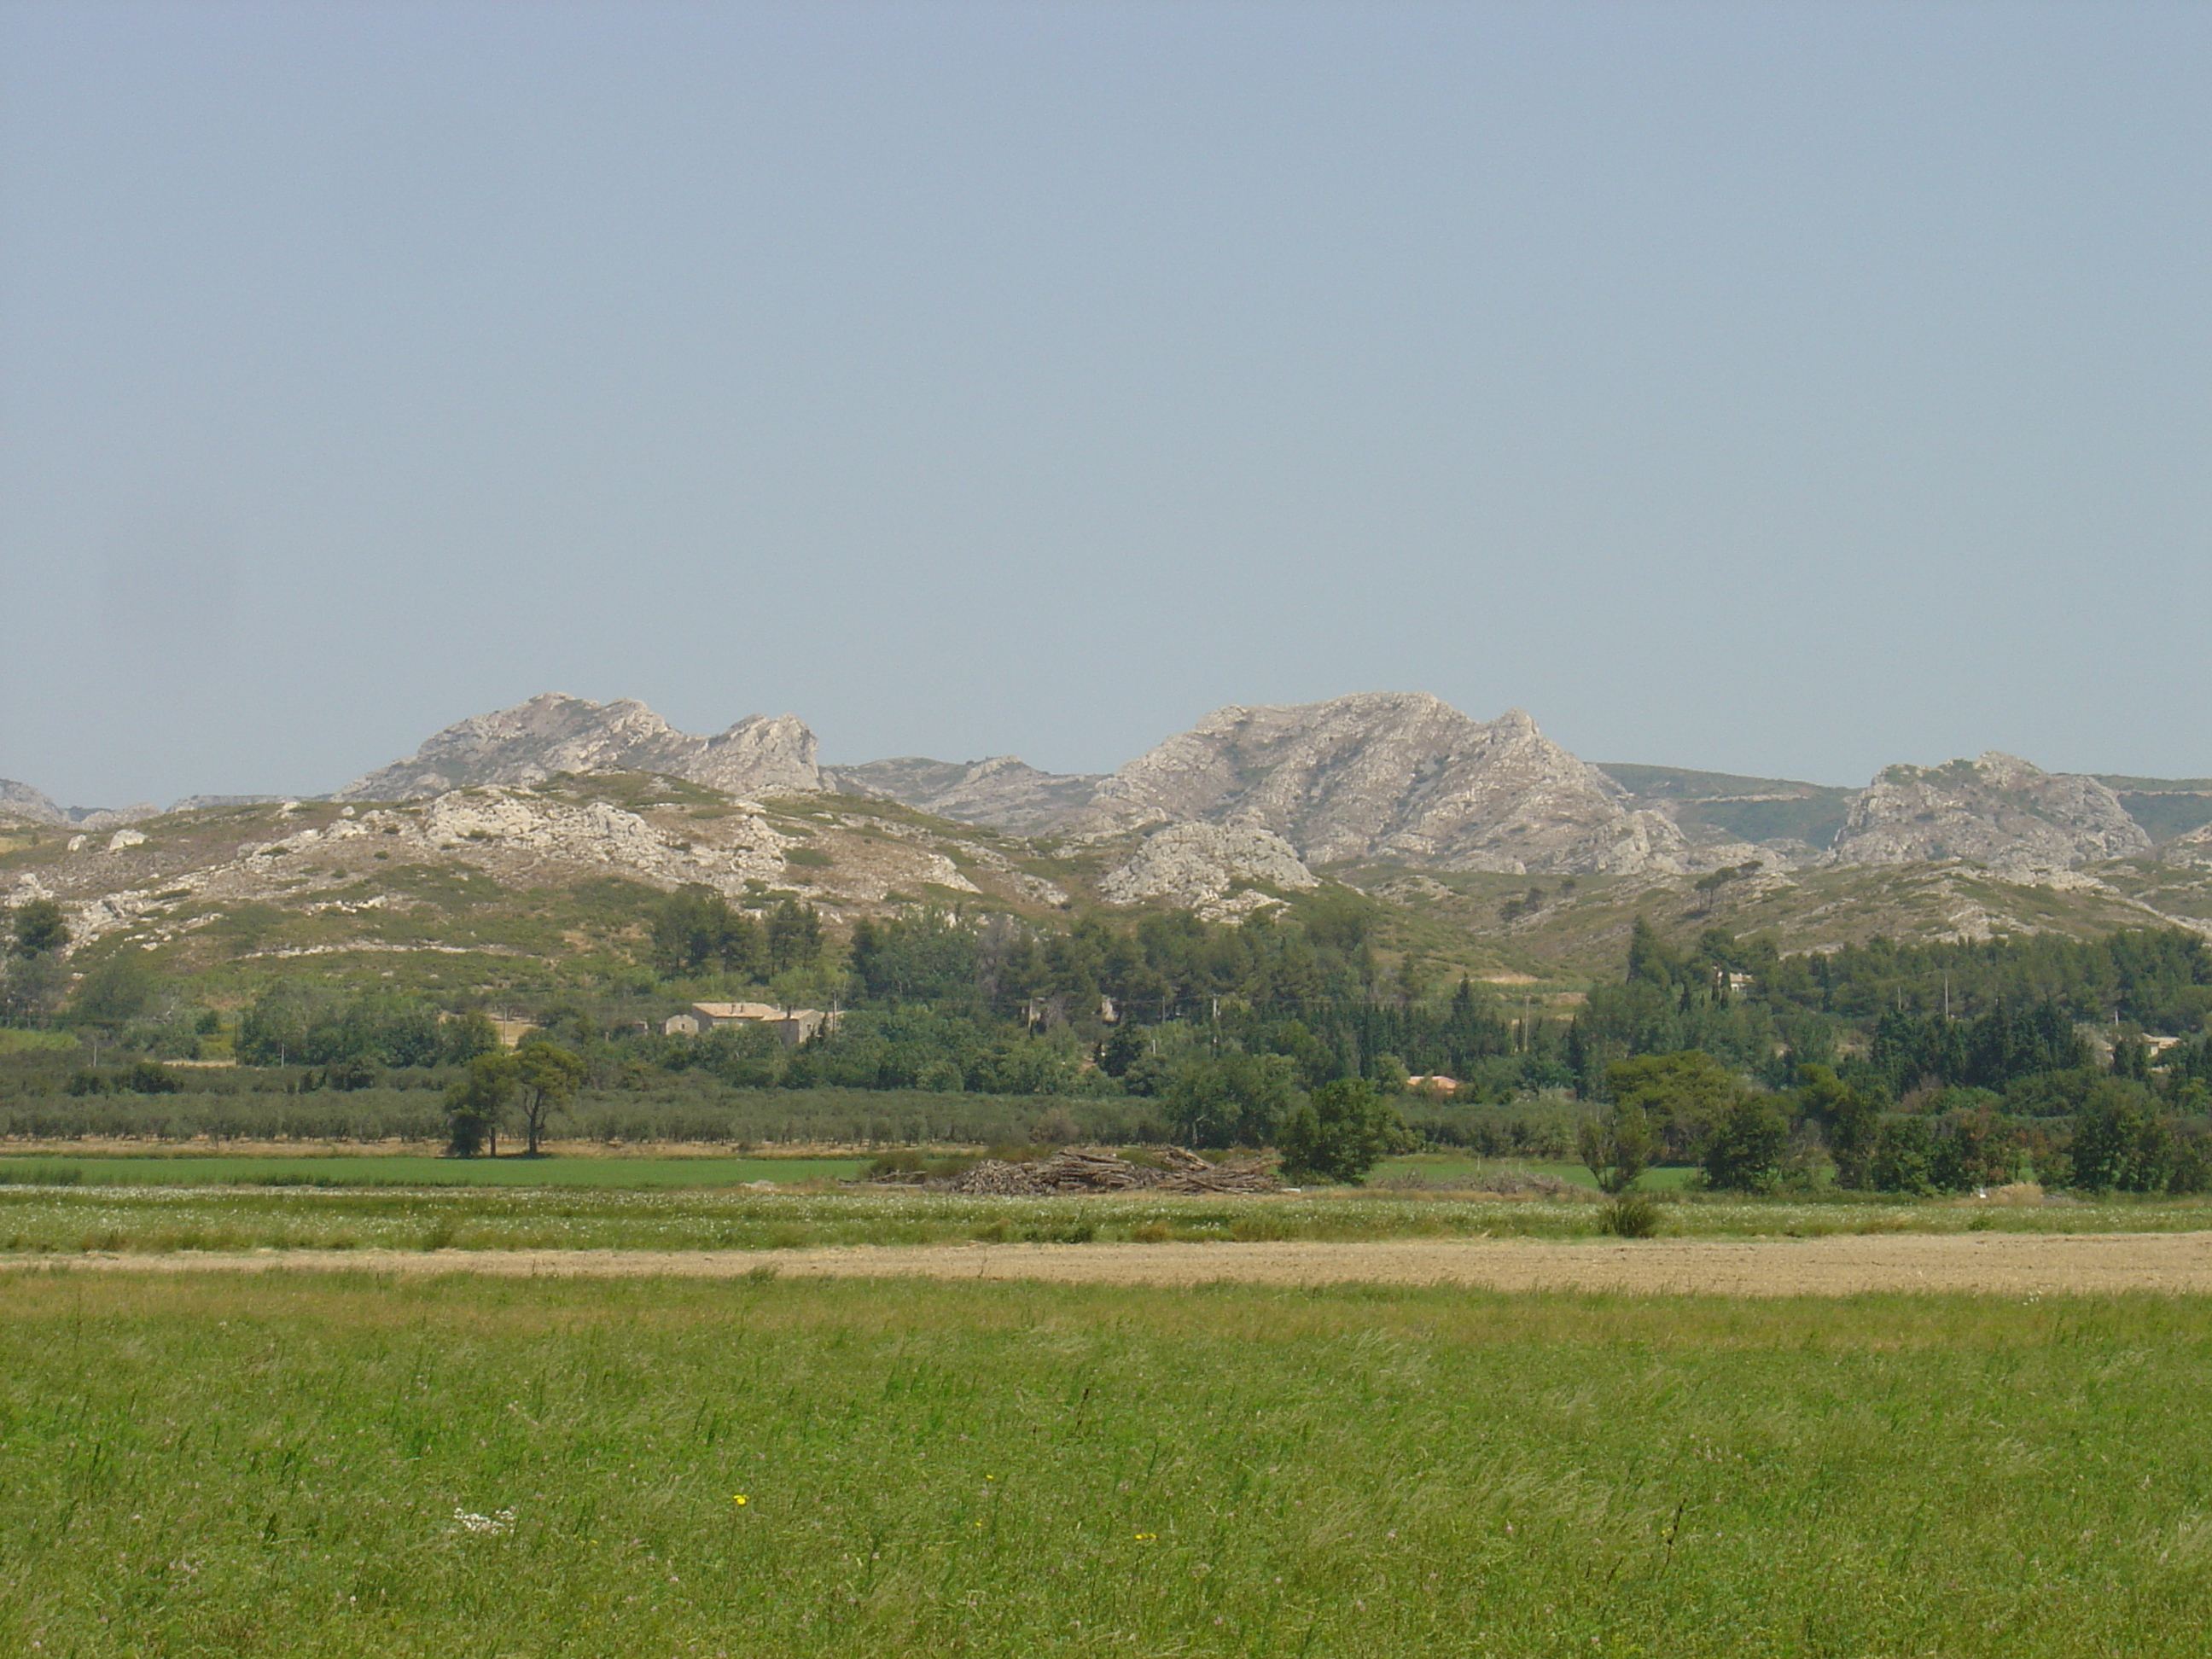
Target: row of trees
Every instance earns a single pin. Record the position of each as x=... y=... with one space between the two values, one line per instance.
x=1336 y=1132
x=1236 y=1031
x=1208 y=1089
x=1688 y=1107
x=1981 y=1045
x=2159 y=978
x=1166 y=966
x=296 y=1024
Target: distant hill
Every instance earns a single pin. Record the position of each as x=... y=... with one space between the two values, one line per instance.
x=2167 y=808
x=1722 y=806
x=1002 y=792
x=20 y=802
x=1387 y=780
x=506 y=884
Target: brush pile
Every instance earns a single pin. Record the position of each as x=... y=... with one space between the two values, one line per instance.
x=1079 y=1169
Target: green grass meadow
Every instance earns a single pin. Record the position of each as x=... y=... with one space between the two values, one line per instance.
x=343 y=1465
x=1442 y=1169
x=404 y=1170
x=42 y=1218
x=332 y=1168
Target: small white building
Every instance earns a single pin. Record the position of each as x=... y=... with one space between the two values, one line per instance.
x=793 y=1025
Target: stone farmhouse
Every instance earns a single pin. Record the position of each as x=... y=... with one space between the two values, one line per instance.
x=793 y=1025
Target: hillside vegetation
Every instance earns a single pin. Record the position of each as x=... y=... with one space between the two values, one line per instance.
x=285 y=970
x=1367 y=922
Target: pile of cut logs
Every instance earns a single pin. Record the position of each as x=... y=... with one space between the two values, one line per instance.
x=1096 y=1170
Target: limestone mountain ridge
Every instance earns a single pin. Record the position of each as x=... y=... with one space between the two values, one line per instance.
x=1398 y=777
x=1388 y=777
x=1995 y=809
x=475 y=844
x=553 y=733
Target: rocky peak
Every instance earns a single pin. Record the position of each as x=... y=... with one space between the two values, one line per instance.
x=761 y=755
x=20 y=800
x=1394 y=775
x=1995 y=809
x=26 y=804
x=552 y=733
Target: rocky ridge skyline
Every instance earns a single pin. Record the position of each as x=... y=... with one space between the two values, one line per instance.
x=1391 y=777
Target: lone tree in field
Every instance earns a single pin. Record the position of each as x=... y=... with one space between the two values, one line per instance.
x=1745 y=1150
x=1849 y=1121
x=474 y=1105
x=547 y=1077
x=1342 y=1131
x=1617 y=1151
x=1230 y=1099
x=1683 y=1097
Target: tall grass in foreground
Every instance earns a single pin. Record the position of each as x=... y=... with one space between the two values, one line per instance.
x=317 y=1466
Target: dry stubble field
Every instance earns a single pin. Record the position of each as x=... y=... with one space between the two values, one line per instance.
x=2006 y=1264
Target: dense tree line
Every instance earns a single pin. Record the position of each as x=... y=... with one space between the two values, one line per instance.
x=1893 y=1067
x=297 y=1024
x=696 y=931
x=2158 y=979
x=1919 y=1069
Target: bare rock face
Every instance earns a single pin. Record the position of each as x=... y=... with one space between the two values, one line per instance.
x=20 y=800
x=2193 y=848
x=107 y=818
x=22 y=803
x=550 y=733
x=194 y=803
x=1997 y=810
x=761 y=755
x=1002 y=792
x=1199 y=866
x=1396 y=776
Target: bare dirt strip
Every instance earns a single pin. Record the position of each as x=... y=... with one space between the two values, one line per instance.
x=1841 y=1265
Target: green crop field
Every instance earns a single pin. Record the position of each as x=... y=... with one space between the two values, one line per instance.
x=387 y=1170
x=369 y=1168
x=40 y=1216
x=348 y=1466
x=1442 y=1168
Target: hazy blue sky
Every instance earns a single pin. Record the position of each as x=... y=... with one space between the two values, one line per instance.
x=1778 y=388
